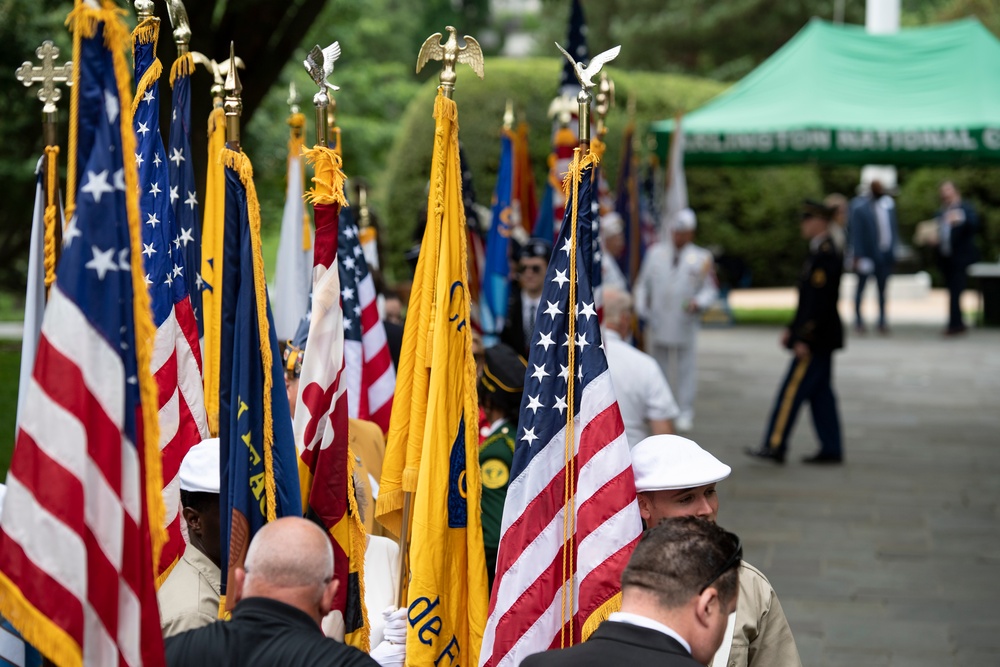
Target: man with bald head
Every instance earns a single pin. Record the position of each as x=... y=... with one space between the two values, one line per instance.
x=282 y=592
x=644 y=397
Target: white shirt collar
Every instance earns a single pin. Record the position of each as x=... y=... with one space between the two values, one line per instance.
x=643 y=622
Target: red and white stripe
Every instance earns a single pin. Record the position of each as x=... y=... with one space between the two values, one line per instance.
x=369 y=374
x=526 y=609
x=176 y=366
x=77 y=482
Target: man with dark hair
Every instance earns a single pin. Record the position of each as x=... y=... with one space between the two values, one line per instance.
x=286 y=587
x=873 y=236
x=189 y=598
x=500 y=387
x=674 y=477
x=525 y=295
x=956 y=250
x=678 y=590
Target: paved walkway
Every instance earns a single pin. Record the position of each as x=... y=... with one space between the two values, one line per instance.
x=893 y=558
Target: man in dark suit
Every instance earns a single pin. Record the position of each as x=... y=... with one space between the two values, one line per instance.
x=956 y=250
x=525 y=295
x=678 y=590
x=873 y=232
x=813 y=336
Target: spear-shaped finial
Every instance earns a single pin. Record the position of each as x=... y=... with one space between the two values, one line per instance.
x=233 y=103
x=451 y=55
x=293 y=97
x=508 y=115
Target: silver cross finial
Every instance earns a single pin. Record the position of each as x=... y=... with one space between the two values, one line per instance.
x=48 y=74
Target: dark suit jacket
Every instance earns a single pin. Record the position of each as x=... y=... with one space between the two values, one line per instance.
x=862 y=230
x=618 y=644
x=513 y=328
x=817 y=322
x=963 y=241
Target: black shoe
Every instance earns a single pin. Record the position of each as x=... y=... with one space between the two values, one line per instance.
x=771 y=455
x=823 y=459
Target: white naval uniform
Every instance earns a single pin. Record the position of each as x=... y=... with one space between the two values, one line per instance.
x=640 y=386
x=663 y=291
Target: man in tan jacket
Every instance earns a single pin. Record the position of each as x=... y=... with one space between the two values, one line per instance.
x=189 y=598
x=675 y=477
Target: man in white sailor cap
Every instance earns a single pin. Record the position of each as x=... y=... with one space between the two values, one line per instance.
x=189 y=598
x=675 y=285
x=675 y=477
x=612 y=236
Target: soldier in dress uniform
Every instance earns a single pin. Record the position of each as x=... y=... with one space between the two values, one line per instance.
x=813 y=336
x=675 y=285
x=500 y=387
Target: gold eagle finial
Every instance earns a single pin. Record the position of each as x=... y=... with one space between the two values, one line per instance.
x=450 y=55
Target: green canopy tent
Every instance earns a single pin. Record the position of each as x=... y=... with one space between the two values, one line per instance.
x=835 y=94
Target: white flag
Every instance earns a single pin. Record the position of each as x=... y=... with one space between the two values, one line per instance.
x=293 y=271
x=676 y=199
x=34 y=298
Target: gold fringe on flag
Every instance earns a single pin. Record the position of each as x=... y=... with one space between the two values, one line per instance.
x=183 y=66
x=328 y=180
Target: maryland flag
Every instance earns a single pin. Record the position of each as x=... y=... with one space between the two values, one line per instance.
x=321 y=417
x=432 y=450
x=259 y=475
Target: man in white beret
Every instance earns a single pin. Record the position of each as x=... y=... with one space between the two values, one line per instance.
x=675 y=477
x=189 y=598
x=676 y=284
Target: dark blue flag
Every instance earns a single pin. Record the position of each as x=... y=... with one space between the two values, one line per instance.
x=576 y=46
x=496 y=273
x=259 y=464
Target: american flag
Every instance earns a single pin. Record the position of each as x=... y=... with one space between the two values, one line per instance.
x=560 y=563
x=370 y=376
x=79 y=529
x=183 y=193
x=176 y=363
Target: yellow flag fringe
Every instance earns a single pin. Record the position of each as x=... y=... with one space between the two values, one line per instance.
x=240 y=163
x=211 y=235
x=183 y=66
x=328 y=181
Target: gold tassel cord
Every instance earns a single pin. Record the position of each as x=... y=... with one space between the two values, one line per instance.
x=51 y=179
x=240 y=163
x=358 y=545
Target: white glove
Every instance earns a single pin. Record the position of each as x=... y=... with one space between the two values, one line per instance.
x=392 y=651
x=389 y=655
x=395 y=625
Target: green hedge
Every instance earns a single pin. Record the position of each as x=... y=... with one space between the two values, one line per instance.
x=531 y=84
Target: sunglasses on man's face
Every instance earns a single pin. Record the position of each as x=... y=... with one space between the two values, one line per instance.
x=532 y=268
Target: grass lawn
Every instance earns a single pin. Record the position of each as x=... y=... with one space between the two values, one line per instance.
x=770 y=316
x=10 y=368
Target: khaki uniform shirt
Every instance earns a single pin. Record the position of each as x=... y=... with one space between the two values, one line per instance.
x=189 y=598
x=761 y=637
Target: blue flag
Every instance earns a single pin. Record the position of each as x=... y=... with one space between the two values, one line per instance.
x=183 y=194
x=259 y=478
x=496 y=274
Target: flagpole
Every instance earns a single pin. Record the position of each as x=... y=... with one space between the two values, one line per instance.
x=450 y=55
x=232 y=104
x=48 y=74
